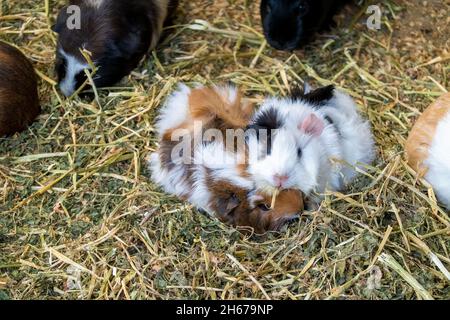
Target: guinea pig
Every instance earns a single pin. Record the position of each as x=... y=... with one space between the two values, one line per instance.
x=289 y=24
x=19 y=101
x=428 y=147
x=313 y=142
x=240 y=208
x=205 y=170
x=117 y=33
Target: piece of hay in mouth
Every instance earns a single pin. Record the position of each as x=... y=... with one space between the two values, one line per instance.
x=274 y=198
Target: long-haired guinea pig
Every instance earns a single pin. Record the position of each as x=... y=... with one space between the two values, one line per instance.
x=194 y=163
x=312 y=141
x=118 y=33
x=428 y=147
x=289 y=24
x=19 y=101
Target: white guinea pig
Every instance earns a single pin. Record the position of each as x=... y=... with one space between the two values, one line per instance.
x=316 y=141
x=428 y=147
x=118 y=33
x=19 y=101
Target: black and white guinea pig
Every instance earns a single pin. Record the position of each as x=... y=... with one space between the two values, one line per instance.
x=313 y=142
x=289 y=24
x=118 y=33
x=19 y=101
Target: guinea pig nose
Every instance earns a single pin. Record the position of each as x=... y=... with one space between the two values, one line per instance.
x=280 y=180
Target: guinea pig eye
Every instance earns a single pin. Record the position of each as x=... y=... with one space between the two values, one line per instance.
x=263 y=207
x=303 y=8
x=299 y=152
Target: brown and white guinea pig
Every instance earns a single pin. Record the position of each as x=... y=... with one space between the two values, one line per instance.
x=118 y=33
x=314 y=142
x=196 y=164
x=428 y=147
x=19 y=101
x=289 y=24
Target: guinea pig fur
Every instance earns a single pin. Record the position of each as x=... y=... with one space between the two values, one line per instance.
x=118 y=33
x=428 y=147
x=289 y=24
x=215 y=179
x=315 y=142
x=19 y=101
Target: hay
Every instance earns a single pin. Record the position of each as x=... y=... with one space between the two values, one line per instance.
x=80 y=219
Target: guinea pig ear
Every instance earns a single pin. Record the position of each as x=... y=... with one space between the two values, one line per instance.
x=57 y=27
x=312 y=125
x=226 y=206
x=61 y=20
x=128 y=46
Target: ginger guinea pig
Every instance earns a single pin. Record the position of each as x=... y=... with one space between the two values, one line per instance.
x=428 y=147
x=19 y=101
x=252 y=209
x=118 y=33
